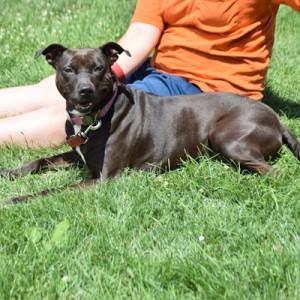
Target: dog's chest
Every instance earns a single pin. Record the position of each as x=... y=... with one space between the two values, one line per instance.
x=77 y=129
x=91 y=152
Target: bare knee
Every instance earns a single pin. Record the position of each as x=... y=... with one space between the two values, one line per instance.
x=48 y=91
x=42 y=127
x=48 y=82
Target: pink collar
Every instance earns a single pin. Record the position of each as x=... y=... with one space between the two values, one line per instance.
x=88 y=120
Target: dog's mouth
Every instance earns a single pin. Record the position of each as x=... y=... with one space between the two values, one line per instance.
x=84 y=107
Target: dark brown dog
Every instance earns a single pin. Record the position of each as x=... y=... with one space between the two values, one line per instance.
x=111 y=127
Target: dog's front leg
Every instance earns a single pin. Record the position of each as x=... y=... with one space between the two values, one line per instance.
x=55 y=162
x=25 y=198
x=87 y=183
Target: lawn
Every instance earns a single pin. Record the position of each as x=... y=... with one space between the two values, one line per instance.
x=204 y=231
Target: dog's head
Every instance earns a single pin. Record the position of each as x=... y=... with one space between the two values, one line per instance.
x=83 y=76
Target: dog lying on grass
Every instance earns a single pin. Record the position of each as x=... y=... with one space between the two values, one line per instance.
x=111 y=127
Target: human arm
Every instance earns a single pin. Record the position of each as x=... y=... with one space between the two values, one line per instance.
x=141 y=36
x=140 y=39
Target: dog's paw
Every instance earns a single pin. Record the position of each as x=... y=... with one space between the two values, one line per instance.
x=4 y=172
x=8 y=173
x=14 y=200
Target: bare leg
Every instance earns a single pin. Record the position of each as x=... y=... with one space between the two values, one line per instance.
x=32 y=115
x=23 y=99
x=42 y=127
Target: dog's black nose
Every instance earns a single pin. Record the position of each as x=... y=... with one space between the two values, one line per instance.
x=85 y=91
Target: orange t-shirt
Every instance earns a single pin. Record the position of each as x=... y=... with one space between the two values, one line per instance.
x=219 y=45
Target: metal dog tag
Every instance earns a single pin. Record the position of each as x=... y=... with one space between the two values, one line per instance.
x=81 y=137
x=76 y=140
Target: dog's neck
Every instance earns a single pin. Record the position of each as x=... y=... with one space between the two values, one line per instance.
x=83 y=124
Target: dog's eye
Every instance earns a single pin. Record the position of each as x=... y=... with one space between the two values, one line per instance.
x=98 y=68
x=68 y=70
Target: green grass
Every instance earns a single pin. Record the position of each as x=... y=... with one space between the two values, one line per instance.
x=204 y=231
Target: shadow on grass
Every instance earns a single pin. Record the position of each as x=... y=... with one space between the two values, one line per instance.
x=282 y=106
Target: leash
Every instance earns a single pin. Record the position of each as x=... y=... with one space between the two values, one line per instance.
x=81 y=137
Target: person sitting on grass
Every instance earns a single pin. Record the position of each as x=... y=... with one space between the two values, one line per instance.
x=200 y=46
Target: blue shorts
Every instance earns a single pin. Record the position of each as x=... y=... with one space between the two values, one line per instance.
x=152 y=81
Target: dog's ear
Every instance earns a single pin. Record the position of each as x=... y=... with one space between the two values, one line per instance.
x=52 y=53
x=112 y=50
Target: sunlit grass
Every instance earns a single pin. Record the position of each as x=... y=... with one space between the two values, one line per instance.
x=204 y=231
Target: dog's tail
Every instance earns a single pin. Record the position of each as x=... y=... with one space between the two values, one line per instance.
x=291 y=141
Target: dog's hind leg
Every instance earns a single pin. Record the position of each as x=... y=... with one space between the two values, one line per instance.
x=250 y=160
x=247 y=157
x=261 y=167
x=247 y=143
x=245 y=152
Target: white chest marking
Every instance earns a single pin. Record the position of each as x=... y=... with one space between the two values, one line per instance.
x=77 y=128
